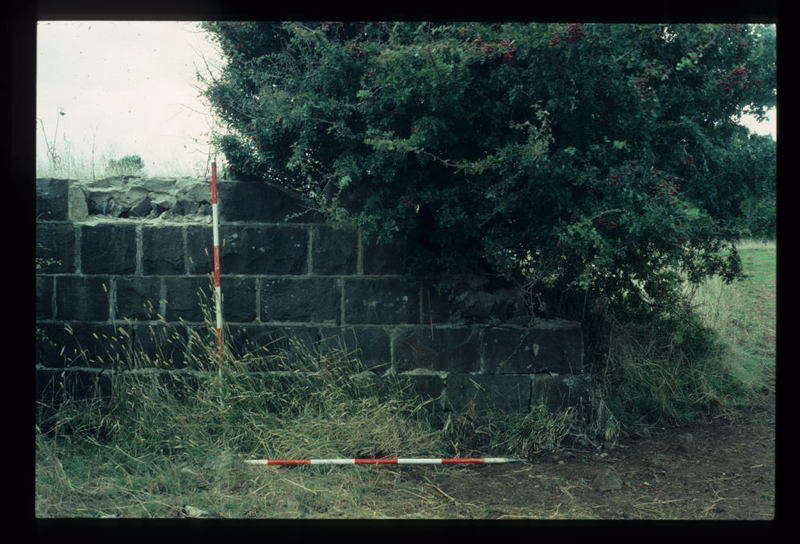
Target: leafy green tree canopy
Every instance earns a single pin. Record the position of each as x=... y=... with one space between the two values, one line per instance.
x=604 y=157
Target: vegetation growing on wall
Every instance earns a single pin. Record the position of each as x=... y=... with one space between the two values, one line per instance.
x=129 y=165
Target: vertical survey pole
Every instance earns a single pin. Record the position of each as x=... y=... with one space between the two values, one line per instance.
x=217 y=283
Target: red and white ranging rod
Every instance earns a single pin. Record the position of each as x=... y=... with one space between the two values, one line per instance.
x=217 y=283
x=411 y=461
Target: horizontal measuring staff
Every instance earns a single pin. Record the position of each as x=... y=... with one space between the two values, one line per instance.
x=411 y=461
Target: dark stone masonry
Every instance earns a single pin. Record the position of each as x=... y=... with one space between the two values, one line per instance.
x=127 y=263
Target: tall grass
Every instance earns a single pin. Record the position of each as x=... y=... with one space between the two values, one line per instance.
x=159 y=436
x=706 y=361
x=143 y=439
x=58 y=156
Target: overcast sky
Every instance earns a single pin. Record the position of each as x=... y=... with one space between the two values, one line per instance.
x=129 y=87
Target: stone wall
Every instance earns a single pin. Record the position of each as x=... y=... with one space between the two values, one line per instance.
x=126 y=258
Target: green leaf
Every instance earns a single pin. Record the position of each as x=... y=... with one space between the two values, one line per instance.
x=693 y=212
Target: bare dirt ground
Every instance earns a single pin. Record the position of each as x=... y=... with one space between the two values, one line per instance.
x=720 y=471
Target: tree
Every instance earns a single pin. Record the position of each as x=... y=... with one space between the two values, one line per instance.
x=598 y=157
x=757 y=168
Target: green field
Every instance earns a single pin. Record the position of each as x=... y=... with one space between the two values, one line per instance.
x=745 y=313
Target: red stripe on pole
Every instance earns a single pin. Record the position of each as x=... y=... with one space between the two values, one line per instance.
x=213 y=182
x=375 y=461
x=462 y=460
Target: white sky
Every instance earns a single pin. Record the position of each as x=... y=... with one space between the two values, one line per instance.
x=129 y=87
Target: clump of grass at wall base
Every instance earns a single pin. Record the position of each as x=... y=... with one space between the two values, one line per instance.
x=154 y=437
x=157 y=436
x=706 y=361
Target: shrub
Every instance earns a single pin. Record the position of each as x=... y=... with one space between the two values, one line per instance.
x=129 y=165
x=609 y=153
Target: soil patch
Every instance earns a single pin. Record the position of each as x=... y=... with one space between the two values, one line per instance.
x=713 y=471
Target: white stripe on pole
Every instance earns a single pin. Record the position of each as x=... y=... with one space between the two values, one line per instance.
x=218 y=297
x=215 y=221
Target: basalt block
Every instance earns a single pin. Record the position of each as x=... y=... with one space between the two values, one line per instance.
x=44 y=297
x=82 y=298
x=549 y=346
x=429 y=388
x=138 y=298
x=162 y=250
x=384 y=259
x=263 y=249
x=482 y=393
x=52 y=343
x=53 y=384
x=160 y=344
x=557 y=392
x=189 y=298
x=436 y=308
x=380 y=301
x=270 y=347
x=52 y=199
x=260 y=202
x=437 y=348
x=79 y=344
x=55 y=247
x=334 y=251
x=238 y=299
x=108 y=249
x=369 y=345
x=199 y=249
x=301 y=299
